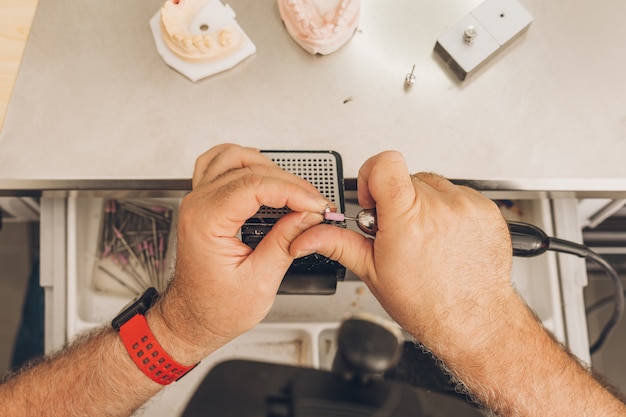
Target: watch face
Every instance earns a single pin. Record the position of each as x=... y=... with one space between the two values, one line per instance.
x=138 y=306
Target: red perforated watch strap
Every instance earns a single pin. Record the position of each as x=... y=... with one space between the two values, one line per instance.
x=148 y=354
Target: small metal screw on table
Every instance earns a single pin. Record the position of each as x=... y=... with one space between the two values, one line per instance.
x=469 y=34
x=409 y=80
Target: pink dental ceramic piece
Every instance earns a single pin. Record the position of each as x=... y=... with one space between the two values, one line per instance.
x=336 y=217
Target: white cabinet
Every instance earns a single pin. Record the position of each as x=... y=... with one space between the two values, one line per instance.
x=19 y=209
x=299 y=329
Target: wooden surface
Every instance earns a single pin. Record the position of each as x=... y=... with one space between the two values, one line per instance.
x=15 y=20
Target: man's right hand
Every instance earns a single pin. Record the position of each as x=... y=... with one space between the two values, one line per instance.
x=441 y=259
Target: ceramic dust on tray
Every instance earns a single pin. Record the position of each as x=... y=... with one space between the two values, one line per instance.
x=199 y=38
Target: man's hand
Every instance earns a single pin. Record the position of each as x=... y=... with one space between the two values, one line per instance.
x=222 y=288
x=438 y=245
x=440 y=265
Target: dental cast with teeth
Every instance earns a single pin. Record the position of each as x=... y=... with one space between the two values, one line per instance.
x=199 y=38
x=186 y=40
x=320 y=26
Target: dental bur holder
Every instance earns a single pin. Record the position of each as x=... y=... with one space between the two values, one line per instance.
x=313 y=274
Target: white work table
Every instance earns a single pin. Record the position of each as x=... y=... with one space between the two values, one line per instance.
x=95 y=107
x=94 y=102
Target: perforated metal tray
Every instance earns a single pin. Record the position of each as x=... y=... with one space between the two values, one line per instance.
x=313 y=274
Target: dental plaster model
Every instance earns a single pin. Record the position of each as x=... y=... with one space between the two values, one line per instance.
x=320 y=26
x=199 y=38
x=191 y=40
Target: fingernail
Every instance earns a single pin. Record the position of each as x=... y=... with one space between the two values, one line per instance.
x=320 y=201
x=302 y=253
x=310 y=219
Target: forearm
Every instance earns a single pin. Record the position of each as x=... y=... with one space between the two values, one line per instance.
x=221 y=289
x=518 y=369
x=94 y=376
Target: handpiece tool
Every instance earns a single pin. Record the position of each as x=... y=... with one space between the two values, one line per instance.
x=527 y=240
x=365 y=219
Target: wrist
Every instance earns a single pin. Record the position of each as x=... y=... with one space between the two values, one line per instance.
x=474 y=326
x=149 y=343
x=169 y=336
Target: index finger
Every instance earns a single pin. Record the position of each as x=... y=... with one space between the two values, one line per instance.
x=226 y=158
x=230 y=205
x=223 y=154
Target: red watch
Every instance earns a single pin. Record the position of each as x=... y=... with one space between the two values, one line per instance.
x=142 y=346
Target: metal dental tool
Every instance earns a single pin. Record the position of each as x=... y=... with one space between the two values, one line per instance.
x=527 y=241
x=365 y=219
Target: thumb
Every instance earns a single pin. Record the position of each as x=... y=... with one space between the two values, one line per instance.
x=272 y=256
x=351 y=249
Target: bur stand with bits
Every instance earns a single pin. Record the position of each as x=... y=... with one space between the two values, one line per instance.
x=133 y=245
